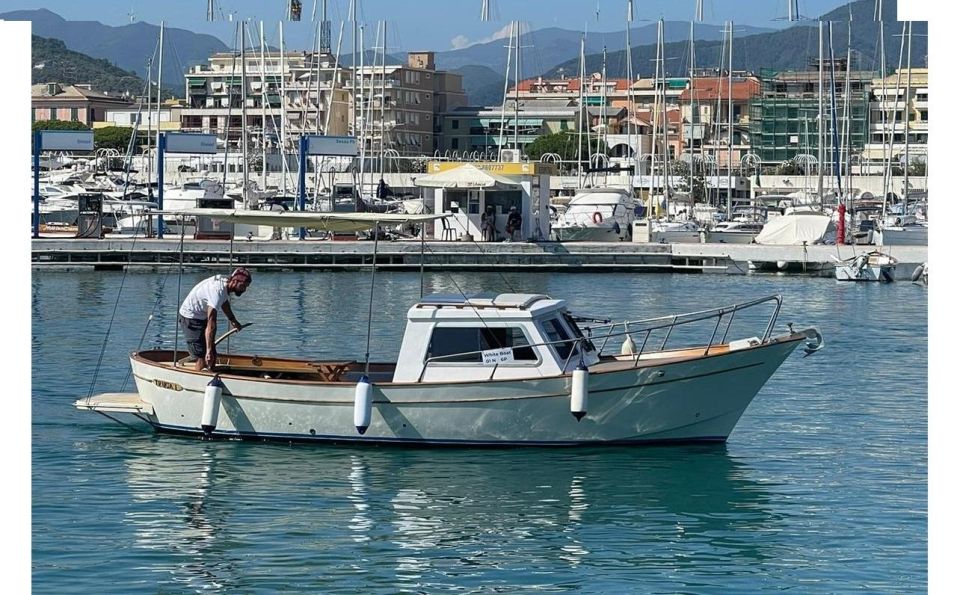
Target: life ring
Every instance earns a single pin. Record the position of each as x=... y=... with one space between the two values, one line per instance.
x=597 y=217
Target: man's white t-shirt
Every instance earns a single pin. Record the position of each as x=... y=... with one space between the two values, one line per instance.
x=209 y=293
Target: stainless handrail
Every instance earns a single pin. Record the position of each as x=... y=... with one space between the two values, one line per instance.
x=650 y=325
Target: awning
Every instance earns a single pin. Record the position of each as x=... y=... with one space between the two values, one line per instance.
x=465 y=176
x=336 y=222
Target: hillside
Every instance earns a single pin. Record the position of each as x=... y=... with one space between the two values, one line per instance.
x=789 y=49
x=483 y=85
x=129 y=47
x=53 y=62
x=544 y=49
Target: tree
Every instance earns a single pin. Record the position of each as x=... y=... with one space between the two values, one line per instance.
x=564 y=144
x=112 y=137
x=59 y=125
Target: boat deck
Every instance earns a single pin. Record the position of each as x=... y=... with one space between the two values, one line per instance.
x=115 y=403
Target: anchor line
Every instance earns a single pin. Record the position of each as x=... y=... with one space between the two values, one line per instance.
x=126 y=425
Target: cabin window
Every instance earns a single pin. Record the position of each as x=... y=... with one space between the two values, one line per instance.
x=555 y=333
x=464 y=344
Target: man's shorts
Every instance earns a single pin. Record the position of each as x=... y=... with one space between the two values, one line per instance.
x=195 y=336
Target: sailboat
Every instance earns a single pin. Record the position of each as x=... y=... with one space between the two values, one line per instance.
x=474 y=370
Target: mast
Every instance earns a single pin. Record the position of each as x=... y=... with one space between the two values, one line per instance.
x=283 y=115
x=895 y=111
x=159 y=95
x=654 y=116
x=516 y=103
x=848 y=116
x=383 y=95
x=603 y=105
x=353 y=69
x=693 y=110
x=907 y=116
x=580 y=108
x=243 y=117
x=820 y=137
x=666 y=123
x=835 y=138
x=263 y=112
x=506 y=92
x=362 y=120
x=631 y=152
x=730 y=125
x=149 y=121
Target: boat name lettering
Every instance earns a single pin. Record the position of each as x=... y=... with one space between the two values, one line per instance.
x=167 y=385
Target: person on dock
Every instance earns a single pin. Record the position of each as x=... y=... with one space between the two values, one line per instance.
x=488 y=222
x=514 y=222
x=198 y=314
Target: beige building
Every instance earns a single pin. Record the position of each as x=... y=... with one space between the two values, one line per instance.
x=894 y=114
x=288 y=95
x=309 y=93
x=78 y=103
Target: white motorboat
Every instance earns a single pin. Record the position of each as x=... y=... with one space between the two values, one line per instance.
x=901 y=230
x=508 y=369
x=598 y=215
x=662 y=231
x=869 y=266
x=734 y=232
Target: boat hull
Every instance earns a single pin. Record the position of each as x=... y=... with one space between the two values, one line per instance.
x=691 y=400
x=881 y=274
x=591 y=234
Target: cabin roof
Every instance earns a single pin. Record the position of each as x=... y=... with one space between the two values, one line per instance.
x=484 y=305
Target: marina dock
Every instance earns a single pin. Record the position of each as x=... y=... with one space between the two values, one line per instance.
x=116 y=254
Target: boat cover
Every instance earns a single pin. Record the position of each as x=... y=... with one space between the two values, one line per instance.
x=795 y=229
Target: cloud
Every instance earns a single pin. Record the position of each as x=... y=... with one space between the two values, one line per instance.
x=461 y=41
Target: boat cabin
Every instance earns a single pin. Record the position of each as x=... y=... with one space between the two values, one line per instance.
x=505 y=336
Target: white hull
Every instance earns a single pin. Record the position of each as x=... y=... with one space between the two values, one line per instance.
x=912 y=235
x=697 y=399
x=730 y=237
x=882 y=274
x=598 y=233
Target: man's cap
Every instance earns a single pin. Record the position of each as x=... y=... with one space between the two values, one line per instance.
x=241 y=273
x=513 y=208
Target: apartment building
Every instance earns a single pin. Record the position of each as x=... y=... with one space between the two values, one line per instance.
x=78 y=103
x=899 y=119
x=393 y=106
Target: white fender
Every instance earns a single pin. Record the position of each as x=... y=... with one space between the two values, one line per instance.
x=362 y=404
x=211 y=405
x=628 y=347
x=578 y=392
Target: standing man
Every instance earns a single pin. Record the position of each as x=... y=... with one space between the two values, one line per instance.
x=198 y=314
x=514 y=222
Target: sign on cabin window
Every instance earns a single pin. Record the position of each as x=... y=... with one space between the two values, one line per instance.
x=479 y=345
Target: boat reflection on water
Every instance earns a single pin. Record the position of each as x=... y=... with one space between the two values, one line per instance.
x=251 y=517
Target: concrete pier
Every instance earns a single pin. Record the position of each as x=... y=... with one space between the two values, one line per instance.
x=118 y=253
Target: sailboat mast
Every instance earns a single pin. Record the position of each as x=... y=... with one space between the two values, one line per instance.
x=602 y=140
x=263 y=111
x=283 y=115
x=730 y=124
x=159 y=101
x=907 y=116
x=580 y=108
x=383 y=95
x=516 y=102
x=506 y=91
x=820 y=136
x=835 y=133
x=631 y=153
x=693 y=113
x=149 y=119
x=666 y=124
x=247 y=203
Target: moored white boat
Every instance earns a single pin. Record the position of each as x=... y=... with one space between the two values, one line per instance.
x=597 y=215
x=869 y=266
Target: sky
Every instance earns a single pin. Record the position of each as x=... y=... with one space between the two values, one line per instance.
x=426 y=24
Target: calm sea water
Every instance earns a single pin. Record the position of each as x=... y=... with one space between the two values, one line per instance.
x=820 y=489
